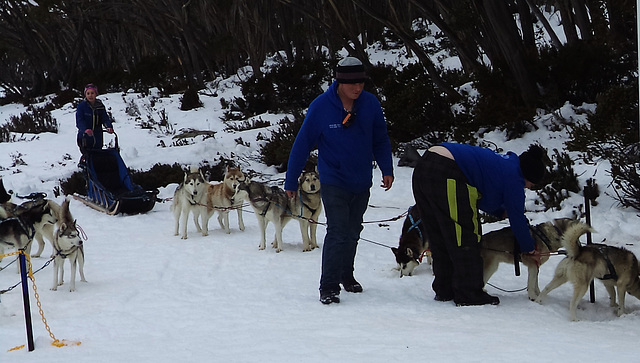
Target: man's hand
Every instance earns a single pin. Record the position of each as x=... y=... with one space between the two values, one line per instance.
x=89 y=132
x=291 y=194
x=387 y=181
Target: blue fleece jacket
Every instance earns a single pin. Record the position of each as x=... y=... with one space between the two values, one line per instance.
x=94 y=118
x=500 y=182
x=345 y=155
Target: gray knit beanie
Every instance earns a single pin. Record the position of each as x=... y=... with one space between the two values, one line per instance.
x=350 y=70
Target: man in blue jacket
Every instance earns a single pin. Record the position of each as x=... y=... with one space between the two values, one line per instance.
x=348 y=127
x=91 y=116
x=450 y=184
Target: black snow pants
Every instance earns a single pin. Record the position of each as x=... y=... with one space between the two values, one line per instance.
x=448 y=205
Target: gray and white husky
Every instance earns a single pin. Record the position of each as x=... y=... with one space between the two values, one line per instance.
x=188 y=198
x=45 y=231
x=270 y=204
x=19 y=223
x=616 y=267
x=67 y=245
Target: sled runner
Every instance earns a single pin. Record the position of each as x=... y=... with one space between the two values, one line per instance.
x=109 y=185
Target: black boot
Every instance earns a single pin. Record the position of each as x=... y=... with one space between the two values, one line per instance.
x=351 y=285
x=329 y=297
x=481 y=299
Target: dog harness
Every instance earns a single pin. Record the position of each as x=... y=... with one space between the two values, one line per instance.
x=66 y=253
x=303 y=204
x=543 y=237
x=415 y=224
x=602 y=249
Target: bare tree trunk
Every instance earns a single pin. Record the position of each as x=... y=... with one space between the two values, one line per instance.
x=582 y=19
x=506 y=34
x=526 y=24
x=426 y=62
x=568 y=21
x=555 y=41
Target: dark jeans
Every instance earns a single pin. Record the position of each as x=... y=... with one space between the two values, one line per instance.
x=344 y=211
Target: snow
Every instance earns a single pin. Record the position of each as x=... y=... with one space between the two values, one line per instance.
x=153 y=297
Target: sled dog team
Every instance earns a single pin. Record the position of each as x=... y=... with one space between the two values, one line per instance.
x=202 y=199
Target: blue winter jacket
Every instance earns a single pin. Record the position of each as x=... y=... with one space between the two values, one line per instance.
x=94 y=118
x=345 y=155
x=500 y=182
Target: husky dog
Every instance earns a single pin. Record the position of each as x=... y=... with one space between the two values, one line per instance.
x=67 y=244
x=497 y=246
x=45 y=231
x=307 y=206
x=219 y=197
x=413 y=243
x=18 y=223
x=616 y=267
x=188 y=199
x=270 y=204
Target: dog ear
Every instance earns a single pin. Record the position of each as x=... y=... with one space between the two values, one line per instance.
x=410 y=253
x=394 y=250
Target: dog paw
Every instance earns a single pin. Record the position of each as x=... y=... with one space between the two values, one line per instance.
x=183 y=237
x=261 y=248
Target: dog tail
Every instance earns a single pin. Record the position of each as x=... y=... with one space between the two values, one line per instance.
x=570 y=238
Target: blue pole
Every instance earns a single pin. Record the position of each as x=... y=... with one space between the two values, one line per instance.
x=25 y=300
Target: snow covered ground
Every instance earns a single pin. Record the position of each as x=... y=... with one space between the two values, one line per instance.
x=152 y=297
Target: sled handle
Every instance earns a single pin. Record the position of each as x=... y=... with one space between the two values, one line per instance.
x=115 y=135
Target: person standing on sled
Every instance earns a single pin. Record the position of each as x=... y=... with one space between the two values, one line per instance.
x=450 y=184
x=348 y=127
x=91 y=117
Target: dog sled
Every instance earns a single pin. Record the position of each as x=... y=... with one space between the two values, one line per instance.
x=109 y=185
